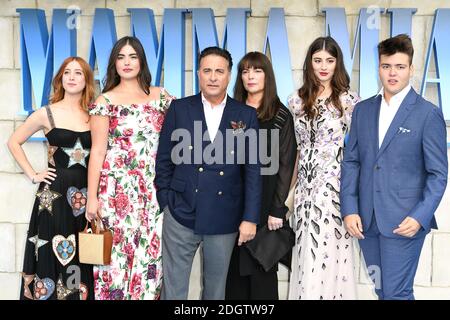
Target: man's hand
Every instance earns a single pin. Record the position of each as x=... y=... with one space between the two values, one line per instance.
x=247 y=231
x=353 y=225
x=408 y=227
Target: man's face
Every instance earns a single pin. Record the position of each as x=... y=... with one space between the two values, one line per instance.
x=395 y=73
x=214 y=77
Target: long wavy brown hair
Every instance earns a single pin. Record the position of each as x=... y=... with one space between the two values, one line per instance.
x=112 y=78
x=311 y=85
x=270 y=103
x=88 y=91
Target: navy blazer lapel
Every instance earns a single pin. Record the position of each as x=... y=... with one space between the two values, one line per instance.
x=227 y=116
x=220 y=143
x=197 y=114
x=401 y=115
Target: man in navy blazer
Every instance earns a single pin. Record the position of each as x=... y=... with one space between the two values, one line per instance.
x=394 y=173
x=208 y=183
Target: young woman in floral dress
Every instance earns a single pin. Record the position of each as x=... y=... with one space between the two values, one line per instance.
x=125 y=126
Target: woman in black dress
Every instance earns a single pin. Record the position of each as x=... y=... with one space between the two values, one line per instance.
x=255 y=86
x=51 y=269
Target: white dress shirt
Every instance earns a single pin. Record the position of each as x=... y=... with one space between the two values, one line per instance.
x=388 y=111
x=213 y=116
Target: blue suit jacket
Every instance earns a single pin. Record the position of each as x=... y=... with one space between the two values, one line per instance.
x=208 y=198
x=406 y=176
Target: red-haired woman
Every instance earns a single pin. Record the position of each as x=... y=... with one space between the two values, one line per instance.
x=51 y=269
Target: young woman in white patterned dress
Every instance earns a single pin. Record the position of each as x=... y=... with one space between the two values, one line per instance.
x=322 y=258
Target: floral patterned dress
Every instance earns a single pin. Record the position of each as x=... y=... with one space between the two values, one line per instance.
x=322 y=258
x=127 y=198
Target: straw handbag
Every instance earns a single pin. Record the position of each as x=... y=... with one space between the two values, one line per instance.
x=95 y=244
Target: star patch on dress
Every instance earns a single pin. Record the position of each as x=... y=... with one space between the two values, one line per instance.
x=76 y=154
x=50 y=152
x=61 y=290
x=46 y=198
x=37 y=244
x=77 y=200
x=64 y=248
x=27 y=279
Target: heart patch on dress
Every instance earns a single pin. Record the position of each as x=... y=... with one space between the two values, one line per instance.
x=43 y=288
x=77 y=200
x=64 y=248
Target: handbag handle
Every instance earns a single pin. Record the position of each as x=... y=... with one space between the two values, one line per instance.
x=86 y=228
x=96 y=222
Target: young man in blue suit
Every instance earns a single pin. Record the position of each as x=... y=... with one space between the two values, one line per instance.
x=394 y=173
x=211 y=188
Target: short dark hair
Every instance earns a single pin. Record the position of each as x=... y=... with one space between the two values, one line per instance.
x=217 y=52
x=401 y=43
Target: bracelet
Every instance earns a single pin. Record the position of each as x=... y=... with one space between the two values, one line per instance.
x=32 y=179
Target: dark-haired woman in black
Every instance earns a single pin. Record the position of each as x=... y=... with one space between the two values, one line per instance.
x=255 y=86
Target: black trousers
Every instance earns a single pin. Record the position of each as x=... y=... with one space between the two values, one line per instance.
x=259 y=285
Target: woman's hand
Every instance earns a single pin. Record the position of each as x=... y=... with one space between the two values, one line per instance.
x=274 y=223
x=46 y=176
x=92 y=209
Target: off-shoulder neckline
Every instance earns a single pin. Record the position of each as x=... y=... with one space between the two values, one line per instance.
x=162 y=95
x=128 y=104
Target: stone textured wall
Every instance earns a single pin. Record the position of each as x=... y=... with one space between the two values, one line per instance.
x=304 y=23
